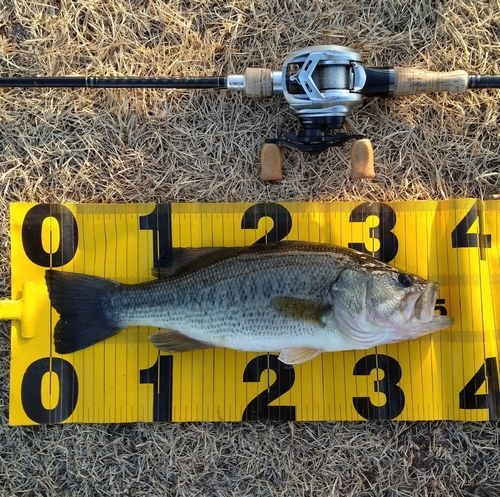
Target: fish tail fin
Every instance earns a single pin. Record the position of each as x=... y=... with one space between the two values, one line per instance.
x=78 y=298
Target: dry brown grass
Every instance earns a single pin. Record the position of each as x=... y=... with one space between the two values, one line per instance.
x=151 y=145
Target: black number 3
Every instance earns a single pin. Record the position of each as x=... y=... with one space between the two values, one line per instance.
x=388 y=385
x=383 y=232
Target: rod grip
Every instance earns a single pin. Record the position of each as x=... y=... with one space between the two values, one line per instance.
x=258 y=82
x=409 y=81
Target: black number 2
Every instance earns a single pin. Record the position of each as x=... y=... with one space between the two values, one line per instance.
x=281 y=217
x=259 y=409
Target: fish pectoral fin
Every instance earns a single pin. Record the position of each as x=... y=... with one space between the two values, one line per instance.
x=300 y=309
x=298 y=355
x=173 y=341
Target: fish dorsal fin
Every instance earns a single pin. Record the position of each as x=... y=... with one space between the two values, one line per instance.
x=299 y=309
x=176 y=260
x=298 y=355
x=180 y=260
x=173 y=341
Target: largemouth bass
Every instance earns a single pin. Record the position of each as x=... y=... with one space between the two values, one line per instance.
x=295 y=298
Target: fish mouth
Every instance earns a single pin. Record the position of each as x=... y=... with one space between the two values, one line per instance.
x=420 y=307
x=425 y=304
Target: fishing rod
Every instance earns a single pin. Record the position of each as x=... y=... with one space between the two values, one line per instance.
x=322 y=85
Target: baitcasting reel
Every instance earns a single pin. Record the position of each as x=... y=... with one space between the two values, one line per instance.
x=325 y=83
x=321 y=84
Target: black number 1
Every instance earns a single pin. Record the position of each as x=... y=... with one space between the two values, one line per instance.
x=159 y=221
x=160 y=376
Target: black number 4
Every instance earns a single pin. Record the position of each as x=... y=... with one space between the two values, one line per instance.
x=470 y=399
x=461 y=238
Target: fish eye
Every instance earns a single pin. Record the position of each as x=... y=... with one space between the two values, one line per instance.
x=405 y=280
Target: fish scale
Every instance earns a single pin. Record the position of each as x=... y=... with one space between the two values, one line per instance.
x=242 y=306
x=298 y=298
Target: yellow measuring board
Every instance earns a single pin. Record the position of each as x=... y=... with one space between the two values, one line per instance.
x=451 y=374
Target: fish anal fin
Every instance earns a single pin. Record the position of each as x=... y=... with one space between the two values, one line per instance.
x=299 y=309
x=298 y=355
x=173 y=341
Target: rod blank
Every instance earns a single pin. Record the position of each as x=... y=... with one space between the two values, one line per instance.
x=105 y=82
x=484 y=82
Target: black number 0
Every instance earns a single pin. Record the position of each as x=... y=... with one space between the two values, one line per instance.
x=31 y=235
x=31 y=386
x=31 y=390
